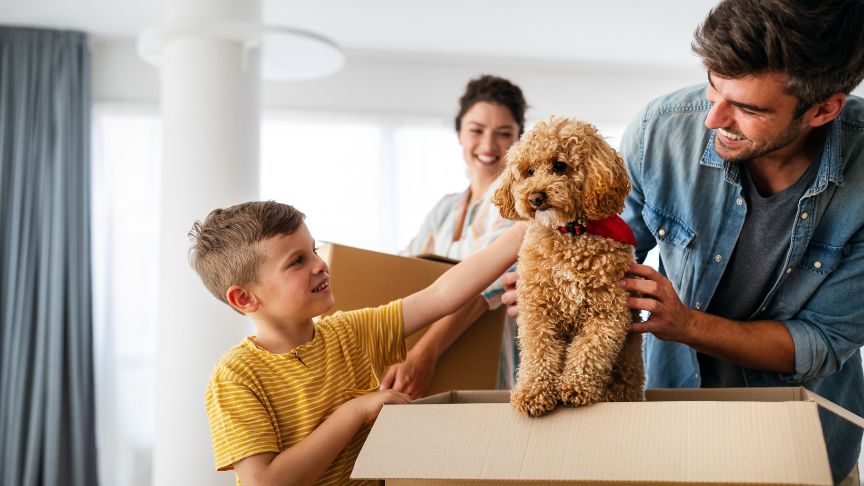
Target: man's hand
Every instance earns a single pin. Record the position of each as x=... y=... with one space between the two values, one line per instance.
x=670 y=319
x=413 y=376
x=510 y=298
x=368 y=406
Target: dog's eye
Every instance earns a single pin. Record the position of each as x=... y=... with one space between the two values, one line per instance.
x=529 y=172
x=559 y=167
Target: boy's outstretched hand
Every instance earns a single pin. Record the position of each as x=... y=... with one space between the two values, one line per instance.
x=367 y=407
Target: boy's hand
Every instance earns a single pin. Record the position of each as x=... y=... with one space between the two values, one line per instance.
x=368 y=406
x=509 y=298
x=413 y=376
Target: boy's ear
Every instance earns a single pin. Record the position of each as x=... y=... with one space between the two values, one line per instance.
x=241 y=299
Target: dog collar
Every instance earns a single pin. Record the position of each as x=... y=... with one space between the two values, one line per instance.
x=612 y=227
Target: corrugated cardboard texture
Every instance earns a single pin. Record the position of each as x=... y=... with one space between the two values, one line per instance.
x=694 y=442
x=362 y=278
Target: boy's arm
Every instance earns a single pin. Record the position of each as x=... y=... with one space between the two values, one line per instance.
x=459 y=284
x=307 y=460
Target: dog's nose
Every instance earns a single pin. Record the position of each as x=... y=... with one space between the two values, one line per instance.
x=537 y=198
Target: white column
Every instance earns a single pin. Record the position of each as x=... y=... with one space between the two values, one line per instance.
x=210 y=112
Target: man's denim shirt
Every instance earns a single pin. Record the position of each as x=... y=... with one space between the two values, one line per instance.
x=688 y=202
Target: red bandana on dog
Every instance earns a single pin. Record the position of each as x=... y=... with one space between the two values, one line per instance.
x=612 y=227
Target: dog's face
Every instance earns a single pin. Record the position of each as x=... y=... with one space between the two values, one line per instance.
x=562 y=170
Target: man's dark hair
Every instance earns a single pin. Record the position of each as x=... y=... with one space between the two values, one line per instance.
x=495 y=90
x=819 y=44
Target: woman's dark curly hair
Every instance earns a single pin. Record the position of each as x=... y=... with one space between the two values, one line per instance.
x=496 y=90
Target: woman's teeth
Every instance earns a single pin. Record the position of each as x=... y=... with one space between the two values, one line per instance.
x=731 y=135
x=487 y=159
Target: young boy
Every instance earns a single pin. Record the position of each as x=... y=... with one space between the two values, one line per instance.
x=294 y=403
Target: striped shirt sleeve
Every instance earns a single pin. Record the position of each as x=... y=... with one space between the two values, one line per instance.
x=379 y=333
x=239 y=424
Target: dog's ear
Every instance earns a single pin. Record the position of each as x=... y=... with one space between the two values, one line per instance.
x=606 y=182
x=503 y=196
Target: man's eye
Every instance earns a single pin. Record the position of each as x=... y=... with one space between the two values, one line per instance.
x=559 y=167
x=529 y=172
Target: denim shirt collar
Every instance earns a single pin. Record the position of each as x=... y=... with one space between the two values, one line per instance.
x=830 y=164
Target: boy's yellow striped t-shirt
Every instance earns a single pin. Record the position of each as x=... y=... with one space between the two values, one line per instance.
x=261 y=402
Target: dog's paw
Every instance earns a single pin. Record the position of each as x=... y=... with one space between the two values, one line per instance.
x=572 y=396
x=533 y=402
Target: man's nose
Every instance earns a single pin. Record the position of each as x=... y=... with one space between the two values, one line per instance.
x=719 y=116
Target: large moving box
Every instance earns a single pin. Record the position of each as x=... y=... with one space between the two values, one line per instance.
x=362 y=278
x=686 y=436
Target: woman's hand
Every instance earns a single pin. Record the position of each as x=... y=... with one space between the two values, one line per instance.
x=413 y=376
x=509 y=298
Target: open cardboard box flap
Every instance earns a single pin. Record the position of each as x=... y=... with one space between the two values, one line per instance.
x=688 y=436
x=362 y=278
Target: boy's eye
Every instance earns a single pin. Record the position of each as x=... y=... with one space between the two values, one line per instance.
x=297 y=261
x=559 y=167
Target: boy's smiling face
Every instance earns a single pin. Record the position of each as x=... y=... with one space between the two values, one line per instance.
x=294 y=282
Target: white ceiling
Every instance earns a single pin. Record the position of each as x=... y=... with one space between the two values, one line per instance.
x=642 y=32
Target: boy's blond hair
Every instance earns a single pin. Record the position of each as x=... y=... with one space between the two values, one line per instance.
x=226 y=247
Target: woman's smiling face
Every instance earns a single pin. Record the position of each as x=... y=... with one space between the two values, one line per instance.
x=487 y=132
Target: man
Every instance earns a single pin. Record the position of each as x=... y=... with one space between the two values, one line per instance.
x=752 y=188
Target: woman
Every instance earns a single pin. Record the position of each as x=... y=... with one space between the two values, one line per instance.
x=491 y=118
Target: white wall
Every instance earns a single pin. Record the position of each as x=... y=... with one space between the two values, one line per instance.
x=383 y=83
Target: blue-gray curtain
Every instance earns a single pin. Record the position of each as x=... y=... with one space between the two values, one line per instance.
x=47 y=404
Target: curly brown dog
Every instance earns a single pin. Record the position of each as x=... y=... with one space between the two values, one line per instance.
x=575 y=347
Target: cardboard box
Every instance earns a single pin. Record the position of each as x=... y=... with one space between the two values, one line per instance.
x=363 y=278
x=686 y=436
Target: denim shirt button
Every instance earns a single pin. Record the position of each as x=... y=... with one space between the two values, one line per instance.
x=817 y=264
x=804 y=215
x=698 y=305
x=718 y=258
x=661 y=232
x=739 y=201
x=788 y=269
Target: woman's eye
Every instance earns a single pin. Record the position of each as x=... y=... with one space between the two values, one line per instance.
x=559 y=167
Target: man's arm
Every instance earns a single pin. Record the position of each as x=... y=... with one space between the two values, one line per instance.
x=307 y=460
x=414 y=375
x=462 y=282
x=763 y=345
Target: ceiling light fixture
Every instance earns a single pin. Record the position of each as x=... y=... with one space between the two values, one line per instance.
x=287 y=54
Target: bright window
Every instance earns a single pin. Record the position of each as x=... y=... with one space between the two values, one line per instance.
x=126 y=171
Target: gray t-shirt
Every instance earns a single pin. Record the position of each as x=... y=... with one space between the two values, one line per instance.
x=754 y=265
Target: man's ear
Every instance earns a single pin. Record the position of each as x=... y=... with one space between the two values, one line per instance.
x=242 y=299
x=827 y=110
